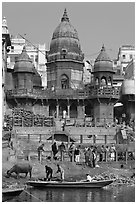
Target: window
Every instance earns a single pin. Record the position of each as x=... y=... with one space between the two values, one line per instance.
x=64 y=52
x=103 y=81
x=64 y=82
x=124 y=57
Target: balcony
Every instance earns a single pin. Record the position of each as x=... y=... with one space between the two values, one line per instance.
x=48 y=94
x=105 y=92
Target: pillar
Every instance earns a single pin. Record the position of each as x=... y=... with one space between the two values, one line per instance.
x=83 y=107
x=116 y=155
x=68 y=111
x=57 y=111
x=47 y=110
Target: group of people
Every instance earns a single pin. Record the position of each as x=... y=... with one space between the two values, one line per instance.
x=61 y=148
x=49 y=172
x=73 y=151
x=94 y=154
x=90 y=156
x=108 y=152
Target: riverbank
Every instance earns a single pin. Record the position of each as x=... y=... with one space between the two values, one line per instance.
x=120 y=171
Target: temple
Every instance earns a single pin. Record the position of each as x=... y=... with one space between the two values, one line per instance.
x=82 y=109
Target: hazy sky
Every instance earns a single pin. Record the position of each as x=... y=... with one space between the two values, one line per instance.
x=111 y=23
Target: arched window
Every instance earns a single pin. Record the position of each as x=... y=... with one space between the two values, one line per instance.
x=103 y=81
x=64 y=82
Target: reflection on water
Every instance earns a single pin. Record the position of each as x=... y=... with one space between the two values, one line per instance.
x=119 y=194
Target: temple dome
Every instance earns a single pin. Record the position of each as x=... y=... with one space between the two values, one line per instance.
x=65 y=40
x=65 y=29
x=103 y=62
x=23 y=63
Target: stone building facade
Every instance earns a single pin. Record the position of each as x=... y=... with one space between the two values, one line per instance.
x=65 y=95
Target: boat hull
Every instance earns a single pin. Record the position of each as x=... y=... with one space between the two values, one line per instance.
x=65 y=184
x=8 y=194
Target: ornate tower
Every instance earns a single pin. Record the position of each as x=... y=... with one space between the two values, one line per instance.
x=23 y=71
x=65 y=58
x=103 y=93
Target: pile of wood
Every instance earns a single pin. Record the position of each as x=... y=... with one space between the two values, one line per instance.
x=8 y=121
x=48 y=122
x=22 y=117
x=17 y=116
x=27 y=118
x=38 y=120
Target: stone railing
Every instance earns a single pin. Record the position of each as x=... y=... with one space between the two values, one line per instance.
x=48 y=94
x=105 y=92
x=113 y=92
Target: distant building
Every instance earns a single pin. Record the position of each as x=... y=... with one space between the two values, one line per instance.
x=37 y=54
x=130 y=70
x=128 y=91
x=125 y=55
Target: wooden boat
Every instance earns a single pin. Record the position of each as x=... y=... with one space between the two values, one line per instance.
x=8 y=193
x=69 y=184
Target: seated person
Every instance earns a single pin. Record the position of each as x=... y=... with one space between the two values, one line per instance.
x=89 y=178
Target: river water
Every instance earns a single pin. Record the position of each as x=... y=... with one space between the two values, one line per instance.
x=107 y=194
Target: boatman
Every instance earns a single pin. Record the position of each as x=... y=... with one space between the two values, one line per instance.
x=49 y=172
x=61 y=171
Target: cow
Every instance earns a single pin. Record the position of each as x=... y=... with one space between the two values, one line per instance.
x=20 y=168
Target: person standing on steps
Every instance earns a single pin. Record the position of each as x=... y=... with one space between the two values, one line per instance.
x=54 y=149
x=71 y=151
x=62 y=149
x=77 y=155
x=40 y=150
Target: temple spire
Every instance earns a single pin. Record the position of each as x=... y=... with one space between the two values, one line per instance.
x=24 y=48
x=65 y=16
x=103 y=48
